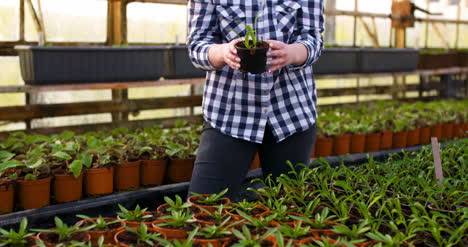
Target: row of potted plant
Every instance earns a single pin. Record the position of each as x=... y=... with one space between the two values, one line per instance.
x=387 y=125
x=436 y=59
x=392 y=203
x=92 y=164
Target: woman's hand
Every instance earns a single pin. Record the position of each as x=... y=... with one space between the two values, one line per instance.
x=224 y=54
x=285 y=54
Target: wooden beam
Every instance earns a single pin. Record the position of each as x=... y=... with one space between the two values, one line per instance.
x=35 y=16
x=26 y=112
x=440 y=35
x=22 y=21
x=371 y=33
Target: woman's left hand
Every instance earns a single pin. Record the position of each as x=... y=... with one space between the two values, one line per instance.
x=285 y=54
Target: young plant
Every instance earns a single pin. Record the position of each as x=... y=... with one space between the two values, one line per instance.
x=211 y=199
x=63 y=231
x=246 y=239
x=144 y=236
x=137 y=214
x=99 y=223
x=176 y=205
x=321 y=220
x=16 y=238
x=177 y=219
x=216 y=231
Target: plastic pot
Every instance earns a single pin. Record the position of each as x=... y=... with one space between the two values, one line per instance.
x=413 y=137
x=108 y=234
x=399 y=139
x=373 y=142
x=425 y=135
x=170 y=234
x=118 y=239
x=99 y=181
x=457 y=130
x=67 y=188
x=79 y=237
x=218 y=242
x=127 y=176
x=436 y=131
x=447 y=130
x=180 y=170
x=34 y=193
x=252 y=60
x=136 y=224
x=223 y=201
x=152 y=172
x=7 y=195
x=324 y=146
x=358 y=143
x=341 y=144
x=386 y=140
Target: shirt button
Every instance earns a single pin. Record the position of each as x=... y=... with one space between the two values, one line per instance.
x=265 y=92
x=261 y=3
x=265 y=110
x=289 y=9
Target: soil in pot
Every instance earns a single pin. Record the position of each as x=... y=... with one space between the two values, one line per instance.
x=152 y=172
x=211 y=207
x=425 y=135
x=373 y=142
x=413 y=137
x=179 y=170
x=436 y=131
x=52 y=239
x=99 y=181
x=341 y=144
x=67 y=188
x=162 y=210
x=7 y=195
x=107 y=233
x=127 y=176
x=125 y=238
x=34 y=193
x=358 y=143
x=207 y=219
x=324 y=146
x=386 y=140
x=217 y=242
x=31 y=241
x=172 y=232
x=399 y=139
x=447 y=130
x=253 y=60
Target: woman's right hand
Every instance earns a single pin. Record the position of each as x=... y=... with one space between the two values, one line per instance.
x=225 y=54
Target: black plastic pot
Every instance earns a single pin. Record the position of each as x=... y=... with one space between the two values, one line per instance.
x=388 y=60
x=252 y=60
x=62 y=65
x=337 y=61
x=177 y=64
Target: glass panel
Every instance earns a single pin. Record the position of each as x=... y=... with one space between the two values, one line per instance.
x=9 y=20
x=71 y=21
x=156 y=23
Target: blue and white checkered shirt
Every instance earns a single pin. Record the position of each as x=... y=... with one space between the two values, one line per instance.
x=238 y=104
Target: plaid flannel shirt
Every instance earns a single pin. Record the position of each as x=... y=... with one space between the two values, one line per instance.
x=238 y=104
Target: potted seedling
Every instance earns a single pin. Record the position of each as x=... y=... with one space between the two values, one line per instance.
x=99 y=176
x=181 y=150
x=357 y=232
x=258 y=226
x=297 y=234
x=140 y=236
x=209 y=201
x=134 y=218
x=176 y=225
x=153 y=157
x=68 y=183
x=214 y=235
x=175 y=205
x=20 y=238
x=250 y=208
x=251 y=51
x=245 y=238
x=321 y=224
x=212 y=218
x=101 y=227
x=324 y=141
x=34 y=181
x=63 y=234
x=7 y=181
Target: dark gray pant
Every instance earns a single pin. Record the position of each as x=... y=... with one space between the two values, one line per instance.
x=223 y=161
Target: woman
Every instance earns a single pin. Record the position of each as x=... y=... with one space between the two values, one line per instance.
x=272 y=113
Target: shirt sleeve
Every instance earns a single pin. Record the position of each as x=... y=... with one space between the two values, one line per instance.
x=310 y=27
x=203 y=32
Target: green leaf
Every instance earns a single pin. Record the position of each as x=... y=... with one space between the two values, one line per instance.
x=10 y=164
x=6 y=156
x=62 y=155
x=76 y=167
